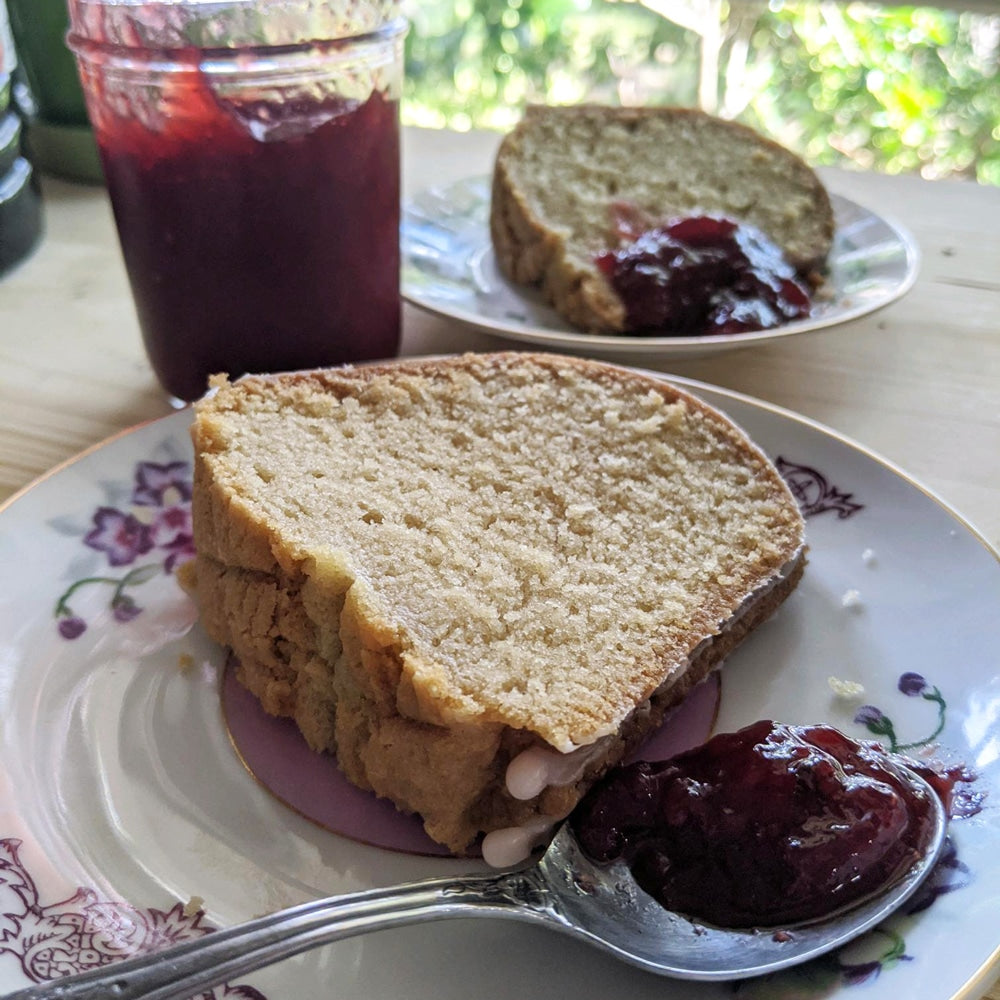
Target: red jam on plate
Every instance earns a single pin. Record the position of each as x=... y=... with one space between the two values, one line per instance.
x=768 y=826
x=703 y=275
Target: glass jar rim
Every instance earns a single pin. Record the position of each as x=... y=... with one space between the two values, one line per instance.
x=228 y=26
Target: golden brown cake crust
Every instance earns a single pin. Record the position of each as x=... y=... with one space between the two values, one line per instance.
x=432 y=564
x=452 y=776
x=560 y=170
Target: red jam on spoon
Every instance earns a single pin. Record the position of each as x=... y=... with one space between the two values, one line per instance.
x=703 y=275
x=768 y=826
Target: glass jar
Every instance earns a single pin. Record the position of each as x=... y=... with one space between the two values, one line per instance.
x=251 y=153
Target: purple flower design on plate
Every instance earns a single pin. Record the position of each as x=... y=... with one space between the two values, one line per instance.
x=153 y=482
x=861 y=972
x=125 y=609
x=913 y=685
x=949 y=874
x=157 y=521
x=71 y=627
x=855 y=973
x=121 y=537
x=814 y=492
x=172 y=533
x=870 y=716
x=82 y=932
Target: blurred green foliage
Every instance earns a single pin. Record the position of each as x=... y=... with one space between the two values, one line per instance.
x=896 y=89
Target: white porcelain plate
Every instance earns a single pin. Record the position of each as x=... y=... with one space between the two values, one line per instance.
x=449 y=268
x=127 y=819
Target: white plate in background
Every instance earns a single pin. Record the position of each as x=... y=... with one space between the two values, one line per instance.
x=449 y=268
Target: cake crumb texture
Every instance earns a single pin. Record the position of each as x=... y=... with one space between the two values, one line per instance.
x=432 y=564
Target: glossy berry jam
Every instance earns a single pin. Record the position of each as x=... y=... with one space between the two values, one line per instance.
x=770 y=825
x=704 y=275
x=258 y=236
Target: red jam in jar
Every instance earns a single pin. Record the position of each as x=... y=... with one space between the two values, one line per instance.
x=257 y=235
x=704 y=275
x=770 y=825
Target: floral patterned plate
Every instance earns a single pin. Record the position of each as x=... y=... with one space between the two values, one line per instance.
x=127 y=820
x=449 y=268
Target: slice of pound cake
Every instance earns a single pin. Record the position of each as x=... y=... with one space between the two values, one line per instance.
x=480 y=581
x=587 y=199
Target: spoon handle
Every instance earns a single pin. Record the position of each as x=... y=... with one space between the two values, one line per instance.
x=181 y=972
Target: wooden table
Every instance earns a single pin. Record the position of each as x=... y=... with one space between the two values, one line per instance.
x=918 y=382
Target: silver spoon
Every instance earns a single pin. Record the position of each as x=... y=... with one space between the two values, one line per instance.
x=565 y=891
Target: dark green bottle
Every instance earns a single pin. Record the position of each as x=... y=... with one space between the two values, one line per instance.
x=58 y=138
x=20 y=198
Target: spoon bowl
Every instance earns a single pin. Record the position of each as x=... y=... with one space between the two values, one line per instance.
x=564 y=891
